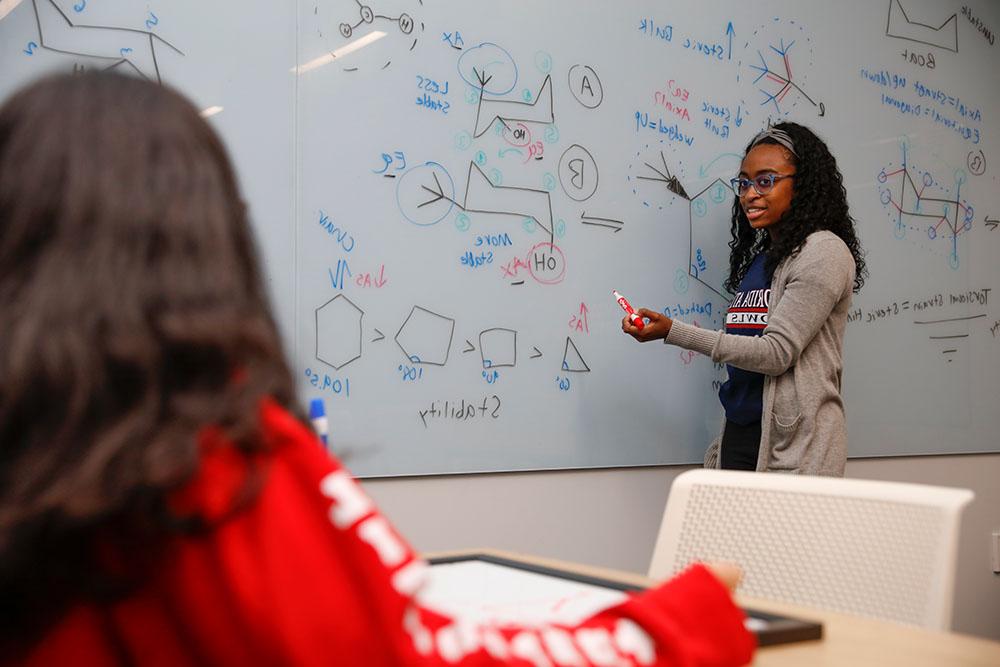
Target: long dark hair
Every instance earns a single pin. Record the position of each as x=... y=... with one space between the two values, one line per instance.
x=819 y=201
x=132 y=316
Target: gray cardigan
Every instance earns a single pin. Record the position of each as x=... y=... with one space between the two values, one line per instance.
x=800 y=353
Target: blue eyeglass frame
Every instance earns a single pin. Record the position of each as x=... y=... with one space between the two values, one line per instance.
x=762 y=185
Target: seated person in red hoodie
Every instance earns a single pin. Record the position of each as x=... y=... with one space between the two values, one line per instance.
x=162 y=500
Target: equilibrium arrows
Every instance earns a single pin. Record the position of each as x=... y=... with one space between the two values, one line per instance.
x=602 y=222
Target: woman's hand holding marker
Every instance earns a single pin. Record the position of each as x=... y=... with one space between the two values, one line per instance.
x=655 y=326
x=632 y=317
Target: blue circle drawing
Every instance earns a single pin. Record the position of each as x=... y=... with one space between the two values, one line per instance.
x=543 y=61
x=488 y=67
x=681 y=281
x=719 y=193
x=425 y=194
x=463 y=140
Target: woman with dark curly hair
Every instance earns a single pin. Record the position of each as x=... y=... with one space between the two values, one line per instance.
x=795 y=261
x=161 y=500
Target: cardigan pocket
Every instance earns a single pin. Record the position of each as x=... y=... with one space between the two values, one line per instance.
x=785 y=417
x=784 y=455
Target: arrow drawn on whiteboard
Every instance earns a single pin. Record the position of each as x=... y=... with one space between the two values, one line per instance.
x=380 y=336
x=470 y=348
x=537 y=353
x=602 y=222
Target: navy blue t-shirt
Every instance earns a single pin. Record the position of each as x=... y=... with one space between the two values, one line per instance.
x=742 y=394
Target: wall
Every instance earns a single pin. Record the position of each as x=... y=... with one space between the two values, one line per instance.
x=610 y=517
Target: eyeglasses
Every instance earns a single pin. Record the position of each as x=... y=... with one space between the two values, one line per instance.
x=761 y=184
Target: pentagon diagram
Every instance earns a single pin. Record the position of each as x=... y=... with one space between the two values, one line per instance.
x=425 y=337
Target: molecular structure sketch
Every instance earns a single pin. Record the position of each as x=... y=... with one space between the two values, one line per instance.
x=899 y=25
x=709 y=219
x=488 y=69
x=507 y=112
x=498 y=348
x=916 y=202
x=491 y=73
x=403 y=23
x=339 y=331
x=775 y=82
x=481 y=196
x=115 y=46
x=425 y=338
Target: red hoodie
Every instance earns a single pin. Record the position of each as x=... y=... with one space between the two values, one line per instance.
x=312 y=574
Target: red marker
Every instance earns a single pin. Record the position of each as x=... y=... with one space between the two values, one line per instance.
x=633 y=317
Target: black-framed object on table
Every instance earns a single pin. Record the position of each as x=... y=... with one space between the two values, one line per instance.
x=498 y=589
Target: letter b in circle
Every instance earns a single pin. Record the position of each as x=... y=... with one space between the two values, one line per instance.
x=578 y=173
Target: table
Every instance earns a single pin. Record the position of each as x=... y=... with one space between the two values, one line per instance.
x=847 y=640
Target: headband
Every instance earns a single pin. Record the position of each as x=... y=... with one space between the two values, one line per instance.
x=776 y=135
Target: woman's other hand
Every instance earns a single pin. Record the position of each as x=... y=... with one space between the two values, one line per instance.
x=729 y=574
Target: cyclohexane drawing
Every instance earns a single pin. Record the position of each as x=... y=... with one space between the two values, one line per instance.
x=338 y=332
x=425 y=337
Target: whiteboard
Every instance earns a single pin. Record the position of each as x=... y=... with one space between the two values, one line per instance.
x=445 y=194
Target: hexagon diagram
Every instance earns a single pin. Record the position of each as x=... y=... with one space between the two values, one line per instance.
x=425 y=337
x=338 y=332
x=709 y=220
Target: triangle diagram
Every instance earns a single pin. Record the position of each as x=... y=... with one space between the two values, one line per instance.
x=572 y=361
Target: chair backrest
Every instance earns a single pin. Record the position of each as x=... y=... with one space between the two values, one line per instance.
x=878 y=549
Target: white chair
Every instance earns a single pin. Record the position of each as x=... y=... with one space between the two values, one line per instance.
x=878 y=549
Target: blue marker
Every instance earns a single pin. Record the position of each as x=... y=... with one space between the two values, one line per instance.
x=317 y=415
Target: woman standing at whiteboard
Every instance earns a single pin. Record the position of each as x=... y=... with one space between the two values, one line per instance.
x=161 y=501
x=795 y=262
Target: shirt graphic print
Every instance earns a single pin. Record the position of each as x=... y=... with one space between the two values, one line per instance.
x=742 y=395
